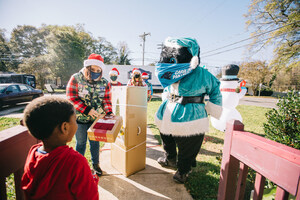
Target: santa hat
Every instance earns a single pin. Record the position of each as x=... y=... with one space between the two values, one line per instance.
x=145 y=75
x=136 y=70
x=114 y=71
x=94 y=59
x=191 y=45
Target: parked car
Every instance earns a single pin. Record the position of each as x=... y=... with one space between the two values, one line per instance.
x=13 y=93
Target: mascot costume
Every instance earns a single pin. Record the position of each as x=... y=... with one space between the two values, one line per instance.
x=182 y=118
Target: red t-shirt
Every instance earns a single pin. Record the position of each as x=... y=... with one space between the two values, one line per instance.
x=61 y=174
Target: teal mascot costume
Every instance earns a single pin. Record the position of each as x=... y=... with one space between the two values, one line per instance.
x=182 y=118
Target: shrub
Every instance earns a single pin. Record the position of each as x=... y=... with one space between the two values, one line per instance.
x=266 y=92
x=283 y=123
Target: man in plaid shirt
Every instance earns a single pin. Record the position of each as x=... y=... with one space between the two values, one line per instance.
x=89 y=93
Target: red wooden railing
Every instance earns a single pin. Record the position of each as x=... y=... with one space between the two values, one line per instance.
x=14 y=146
x=277 y=162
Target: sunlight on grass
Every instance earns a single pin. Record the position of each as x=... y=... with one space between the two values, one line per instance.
x=7 y=122
x=87 y=150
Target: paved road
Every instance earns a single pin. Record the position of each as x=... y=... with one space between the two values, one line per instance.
x=12 y=111
x=268 y=102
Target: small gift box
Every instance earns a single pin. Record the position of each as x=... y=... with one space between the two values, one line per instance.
x=105 y=128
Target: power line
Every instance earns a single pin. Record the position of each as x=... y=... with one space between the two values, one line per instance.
x=228 y=38
x=249 y=38
x=240 y=47
x=212 y=11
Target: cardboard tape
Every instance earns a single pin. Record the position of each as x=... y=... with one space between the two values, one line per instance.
x=129 y=149
x=131 y=105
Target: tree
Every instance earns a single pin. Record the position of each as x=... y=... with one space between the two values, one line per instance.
x=27 y=42
x=7 y=59
x=123 y=54
x=287 y=80
x=255 y=73
x=66 y=51
x=38 y=66
x=4 y=52
x=277 y=22
x=104 y=48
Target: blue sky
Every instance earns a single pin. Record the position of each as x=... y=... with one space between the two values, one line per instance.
x=213 y=23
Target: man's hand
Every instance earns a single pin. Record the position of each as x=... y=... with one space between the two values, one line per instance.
x=93 y=113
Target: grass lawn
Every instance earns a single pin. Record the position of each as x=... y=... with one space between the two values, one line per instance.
x=204 y=180
x=7 y=122
x=60 y=91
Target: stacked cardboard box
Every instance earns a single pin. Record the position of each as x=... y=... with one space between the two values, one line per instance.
x=128 y=153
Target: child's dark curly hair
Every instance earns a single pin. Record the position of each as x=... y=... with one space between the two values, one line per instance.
x=44 y=114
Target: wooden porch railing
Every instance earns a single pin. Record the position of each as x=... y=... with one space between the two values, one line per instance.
x=277 y=162
x=14 y=146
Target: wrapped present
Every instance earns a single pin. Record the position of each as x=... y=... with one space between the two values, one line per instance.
x=105 y=128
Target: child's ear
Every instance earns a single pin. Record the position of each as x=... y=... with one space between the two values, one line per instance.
x=64 y=128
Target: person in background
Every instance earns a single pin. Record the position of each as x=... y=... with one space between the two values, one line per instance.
x=88 y=92
x=54 y=170
x=145 y=78
x=136 y=79
x=113 y=75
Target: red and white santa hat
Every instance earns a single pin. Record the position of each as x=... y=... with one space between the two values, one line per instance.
x=114 y=71
x=145 y=75
x=94 y=59
x=136 y=70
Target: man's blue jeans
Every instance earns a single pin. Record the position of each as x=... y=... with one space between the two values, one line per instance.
x=81 y=138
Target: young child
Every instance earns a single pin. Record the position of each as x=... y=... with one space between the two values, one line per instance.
x=52 y=169
x=136 y=79
x=113 y=75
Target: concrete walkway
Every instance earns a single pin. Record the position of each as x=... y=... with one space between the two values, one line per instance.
x=154 y=182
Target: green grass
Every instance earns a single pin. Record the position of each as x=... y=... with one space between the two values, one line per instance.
x=58 y=91
x=203 y=182
x=7 y=122
x=87 y=150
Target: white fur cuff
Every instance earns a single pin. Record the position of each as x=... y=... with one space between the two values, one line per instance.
x=183 y=129
x=213 y=109
x=194 y=62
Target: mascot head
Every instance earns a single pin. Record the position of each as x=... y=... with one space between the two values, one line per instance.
x=180 y=50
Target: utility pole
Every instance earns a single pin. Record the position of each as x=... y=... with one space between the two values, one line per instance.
x=144 y=39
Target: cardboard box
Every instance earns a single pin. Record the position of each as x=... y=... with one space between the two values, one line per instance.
x=130 y=103
x=105 y=129
x=128 y=160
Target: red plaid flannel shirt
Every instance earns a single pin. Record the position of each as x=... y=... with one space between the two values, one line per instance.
x=72 y=95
